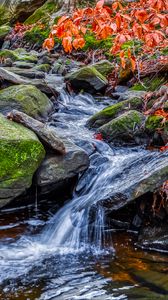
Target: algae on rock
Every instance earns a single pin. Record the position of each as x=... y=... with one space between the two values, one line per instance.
x=26 y=98
x=20 y=155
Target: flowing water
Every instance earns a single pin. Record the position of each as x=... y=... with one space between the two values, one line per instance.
x=70 y=254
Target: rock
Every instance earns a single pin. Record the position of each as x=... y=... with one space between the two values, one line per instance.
x=43 y=68
x=87 y=78
x=17 y=79
x=29 y=73
x=20 y=155
x=113 y=111
x=19 y=54
x=46 y=134
x=23 y=64
x=59 y=69
x=26 y=98
x=154 y=238
x=18 y=9
x=57 y=170
x=157 y=128
x=4 y=30
x=104 y=67
x=126 y=128
x=150 y=83
x=141 y=173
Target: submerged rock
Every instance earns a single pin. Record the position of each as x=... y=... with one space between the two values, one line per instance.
x=26 y=98
x=20 y=155
x=127 y=128
x=57 y=170
x=87 y=78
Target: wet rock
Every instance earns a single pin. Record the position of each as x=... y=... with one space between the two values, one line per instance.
x=57 y=170
x=17 y=79
x=23 y=64
x=46 y=134
x=20 y=155
x=59 y=69
x=113 y=111
x=25 y=98
x=154 y=237
x=124 y=129
x=87 y=78
x=152 y=124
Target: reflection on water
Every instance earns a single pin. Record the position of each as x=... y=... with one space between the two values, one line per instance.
x=131 y=274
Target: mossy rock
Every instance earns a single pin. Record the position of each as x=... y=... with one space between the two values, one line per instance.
x=20 y=155
x=4 y=15
x=4 y=30
x=19 y=55
x=157 y=129
x=44 y=68
x=26 y=98
x=104 y=67
x=88 y=79
x=124 y=129
x=150 y=84
x=113 y=111
x=43 y=13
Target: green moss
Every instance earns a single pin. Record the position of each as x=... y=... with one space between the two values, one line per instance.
x=4 y=30
x=26 y=98
x=122 y=127
x=153 y=123
x=20 y=154
x=4 y=15
x=113 y=111
x=93 y=43
x=149 y=84
x=44 y=68
x=134 y=45
x=18 y=54
x=85 y=73
x=43 y=13
x=37 y=35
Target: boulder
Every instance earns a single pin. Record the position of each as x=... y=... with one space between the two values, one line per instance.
x=113 y=111
x=29 y=73
x=26 y=98
x=57 y=170
x=87 y=78
x=18 y=9
x=126 y=128
x=20 y=155
x=19 y=54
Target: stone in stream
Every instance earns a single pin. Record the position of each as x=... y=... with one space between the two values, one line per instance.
x=26 y=98
x=87 y=78
x=113 y=111
x=104 y=67
x=20 y=155
x=46 y=134
x=56 y=171
x=127 y=128
x=20 y=54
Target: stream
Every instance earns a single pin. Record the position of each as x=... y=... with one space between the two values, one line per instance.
x=73 y=253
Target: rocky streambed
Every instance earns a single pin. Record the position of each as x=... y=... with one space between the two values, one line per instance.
x=60 y=139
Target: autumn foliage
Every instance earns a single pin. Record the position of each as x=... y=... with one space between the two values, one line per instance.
x=145 y=21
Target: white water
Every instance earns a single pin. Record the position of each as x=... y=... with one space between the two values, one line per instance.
x=80 y=224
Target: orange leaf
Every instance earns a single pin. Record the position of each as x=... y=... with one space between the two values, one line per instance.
x=67 y=43
x=62 y=20
x=100 y=4
x=78 y=43
x=141 y=15
x=123 y=62
x=48 y=44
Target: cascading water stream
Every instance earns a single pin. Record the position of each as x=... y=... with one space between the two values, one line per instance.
x=80 y=224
